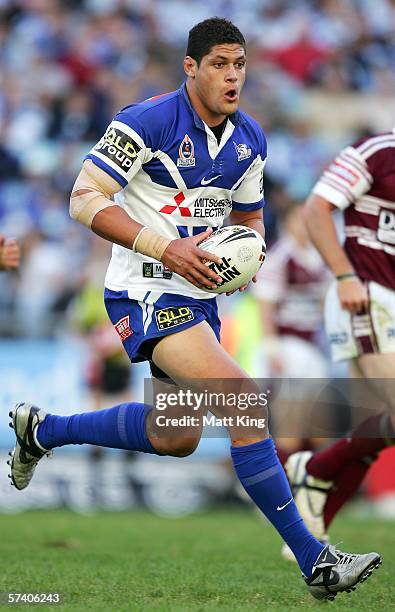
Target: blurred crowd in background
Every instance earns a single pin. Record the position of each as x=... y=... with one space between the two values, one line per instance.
x=320 y=73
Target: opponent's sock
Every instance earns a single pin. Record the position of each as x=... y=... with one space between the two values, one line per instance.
x=262 y=476
x=346 y=484
x=122 y=426
x=370 y=437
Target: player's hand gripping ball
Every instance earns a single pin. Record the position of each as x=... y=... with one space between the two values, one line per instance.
x=242 y=251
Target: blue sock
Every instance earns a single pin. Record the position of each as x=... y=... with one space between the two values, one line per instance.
x=261 y=474
x=122 y=426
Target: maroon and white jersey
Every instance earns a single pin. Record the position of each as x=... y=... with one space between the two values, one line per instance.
x=296 y=279
x=361 y=182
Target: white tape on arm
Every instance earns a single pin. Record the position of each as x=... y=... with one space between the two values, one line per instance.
x=92 y=192
x=148 y=242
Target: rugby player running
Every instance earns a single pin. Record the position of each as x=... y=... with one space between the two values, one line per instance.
x=171 y=157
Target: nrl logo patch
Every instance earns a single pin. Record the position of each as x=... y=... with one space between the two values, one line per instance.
x=243 y=152
x=156 y=270
x=173 y=316
x=186 y=153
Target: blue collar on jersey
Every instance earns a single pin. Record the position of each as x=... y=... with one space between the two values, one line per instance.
x=236 y=118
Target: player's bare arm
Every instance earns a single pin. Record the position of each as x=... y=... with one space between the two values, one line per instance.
x=319 y=222
x=91 y=203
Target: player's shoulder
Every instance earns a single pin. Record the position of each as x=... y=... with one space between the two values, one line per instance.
x=369 y=144
x=151 y=107
x=254 y=131
x=149 y=117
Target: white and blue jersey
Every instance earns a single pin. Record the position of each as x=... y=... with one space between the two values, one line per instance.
x=178 y=180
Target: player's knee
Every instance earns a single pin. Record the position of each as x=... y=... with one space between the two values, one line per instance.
x=178 y=447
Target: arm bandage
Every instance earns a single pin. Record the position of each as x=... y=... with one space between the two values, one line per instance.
x=92 y=192
x=148 y=242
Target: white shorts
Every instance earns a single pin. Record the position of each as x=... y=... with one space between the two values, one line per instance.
x=300 y=359
x=351 y=336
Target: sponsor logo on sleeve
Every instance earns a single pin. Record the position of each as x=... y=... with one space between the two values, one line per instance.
x=119 y=147
x=186 y=153
x=122 y=327
x=173 y=316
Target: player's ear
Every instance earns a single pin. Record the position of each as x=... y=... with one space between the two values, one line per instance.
x=190 y=66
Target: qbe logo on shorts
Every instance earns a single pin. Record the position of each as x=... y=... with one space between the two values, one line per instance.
x=173 y=316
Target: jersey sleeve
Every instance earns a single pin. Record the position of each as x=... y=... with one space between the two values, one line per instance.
x=248 y=194
x=346 y=179
x=123 y=149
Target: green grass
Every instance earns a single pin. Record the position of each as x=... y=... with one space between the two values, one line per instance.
x=136 y=561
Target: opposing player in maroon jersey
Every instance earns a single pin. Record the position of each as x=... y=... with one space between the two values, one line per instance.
x=360 y=312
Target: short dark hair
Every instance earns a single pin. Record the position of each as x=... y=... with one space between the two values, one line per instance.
x=210 y=32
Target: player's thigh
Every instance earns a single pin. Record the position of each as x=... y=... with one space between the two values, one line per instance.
x=195 y=353
x=379 y=370
x=195 y=360
x=169 y=425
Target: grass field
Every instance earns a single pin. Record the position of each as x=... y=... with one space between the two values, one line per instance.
x=136 y=561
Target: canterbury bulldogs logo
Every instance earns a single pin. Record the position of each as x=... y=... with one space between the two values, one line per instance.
x=186 y=153
x=243 y=152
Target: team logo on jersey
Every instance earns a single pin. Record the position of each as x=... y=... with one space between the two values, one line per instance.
x=186 y=153
x=173 y=316
x=119 y=148
x=168 y=209
x=122 y=327
x=243 y=152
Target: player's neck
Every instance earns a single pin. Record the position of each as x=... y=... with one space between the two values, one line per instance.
x=211 y=119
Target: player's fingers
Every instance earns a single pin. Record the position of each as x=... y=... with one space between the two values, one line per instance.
x=202 y=236
x=200 y=281
x=254 y=278
x=353 y=306
x=202 y=254
x=207 y=271
x=201 y=278
x=194 y=282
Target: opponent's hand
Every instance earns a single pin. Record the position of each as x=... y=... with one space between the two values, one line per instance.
x=243 y=287
x=184 y=257
x=9 y=254
x=352 y=294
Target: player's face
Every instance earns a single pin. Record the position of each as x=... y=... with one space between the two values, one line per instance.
x=215 y=85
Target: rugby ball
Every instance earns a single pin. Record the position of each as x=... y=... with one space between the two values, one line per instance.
x=242 y=251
